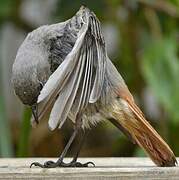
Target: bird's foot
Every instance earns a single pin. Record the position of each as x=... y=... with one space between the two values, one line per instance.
x=47 y=164
x=51 y=164
x=78 y=164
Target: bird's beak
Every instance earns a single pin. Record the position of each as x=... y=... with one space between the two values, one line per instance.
x=35 y=112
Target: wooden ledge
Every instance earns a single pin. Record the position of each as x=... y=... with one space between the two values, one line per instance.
x=106 y=168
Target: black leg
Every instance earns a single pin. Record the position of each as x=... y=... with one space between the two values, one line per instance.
x=82 y=136
x=51 y=164
x=67 y=146
x=74 y=162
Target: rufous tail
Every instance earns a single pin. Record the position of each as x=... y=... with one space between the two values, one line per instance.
x=128 y=117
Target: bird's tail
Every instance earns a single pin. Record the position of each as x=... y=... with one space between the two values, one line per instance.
x=128 y=117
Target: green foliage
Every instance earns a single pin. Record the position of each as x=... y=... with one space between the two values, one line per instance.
x=140 y=152
x=5 y=8
x=24 y=134
x=161 y=70
x=68 y=8
x=5 y=136
x=5 y=139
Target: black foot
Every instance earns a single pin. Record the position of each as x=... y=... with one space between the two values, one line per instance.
x=78 y=164
x=51 y=164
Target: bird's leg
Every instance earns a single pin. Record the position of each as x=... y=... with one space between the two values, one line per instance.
x=82 y=136
x=59 y=162
x=74 y=162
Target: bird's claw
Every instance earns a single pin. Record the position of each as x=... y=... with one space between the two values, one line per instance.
x=47 y=164
x=78 y=164
x=51 y=164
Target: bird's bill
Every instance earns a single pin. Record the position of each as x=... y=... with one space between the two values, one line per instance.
x=35 y=112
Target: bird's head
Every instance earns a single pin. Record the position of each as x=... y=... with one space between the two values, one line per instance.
x=29 y=73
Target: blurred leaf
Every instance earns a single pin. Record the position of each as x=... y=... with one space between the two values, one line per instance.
x=24 y=134
x=5 y=140
x=140 y=152
x=175 y=2
x=161 y=70
x=5 y=7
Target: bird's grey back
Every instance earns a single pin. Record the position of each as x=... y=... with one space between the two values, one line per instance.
x=40 y=54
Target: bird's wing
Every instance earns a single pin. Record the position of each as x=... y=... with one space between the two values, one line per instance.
x=80 y=75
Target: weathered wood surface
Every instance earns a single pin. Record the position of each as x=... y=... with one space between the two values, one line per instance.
x=106 y=168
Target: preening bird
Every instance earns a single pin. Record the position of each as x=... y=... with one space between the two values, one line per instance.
x=63 y=71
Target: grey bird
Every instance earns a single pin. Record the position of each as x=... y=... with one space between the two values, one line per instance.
x=63 y=71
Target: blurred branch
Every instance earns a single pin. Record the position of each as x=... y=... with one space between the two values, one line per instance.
x=153 y=22
x=162 y=5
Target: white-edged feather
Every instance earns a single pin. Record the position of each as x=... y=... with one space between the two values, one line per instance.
x=65 y=99
x=79 y=79
x=99 y=78
x=64 y=70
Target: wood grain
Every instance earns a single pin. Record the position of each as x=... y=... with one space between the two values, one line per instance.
x=106 y=168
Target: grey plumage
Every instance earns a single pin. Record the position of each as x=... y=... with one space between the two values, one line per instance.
x=63 y=70
x=69 y=60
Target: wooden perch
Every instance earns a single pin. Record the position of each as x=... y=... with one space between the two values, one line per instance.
x=106 y=168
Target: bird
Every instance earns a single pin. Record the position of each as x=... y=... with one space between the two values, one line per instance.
x=62 y=71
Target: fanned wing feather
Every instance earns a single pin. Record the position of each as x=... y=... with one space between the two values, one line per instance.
x=84 y=90
x=85 y=82
x=65 y=99
x=101 y=56
x=57 y=79
x=94 y=73
x=79 y=78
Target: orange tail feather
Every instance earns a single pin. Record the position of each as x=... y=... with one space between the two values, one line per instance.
x=129 y=116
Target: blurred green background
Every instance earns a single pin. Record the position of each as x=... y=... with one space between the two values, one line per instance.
x=142 y=39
